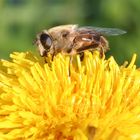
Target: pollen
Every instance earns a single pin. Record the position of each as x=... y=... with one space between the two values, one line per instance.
x=98 y=100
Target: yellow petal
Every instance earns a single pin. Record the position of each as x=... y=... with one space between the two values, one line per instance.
x=97 y=100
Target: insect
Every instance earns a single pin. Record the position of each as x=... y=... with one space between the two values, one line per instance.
x=72 y=39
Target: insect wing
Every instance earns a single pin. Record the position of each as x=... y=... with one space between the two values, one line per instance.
x=102 y=31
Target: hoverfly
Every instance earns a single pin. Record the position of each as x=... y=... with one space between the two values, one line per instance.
x=71 y=39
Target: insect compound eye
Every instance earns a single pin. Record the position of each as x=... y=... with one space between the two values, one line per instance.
x=45 y=40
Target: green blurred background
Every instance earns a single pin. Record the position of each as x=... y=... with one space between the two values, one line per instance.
x=20 y=20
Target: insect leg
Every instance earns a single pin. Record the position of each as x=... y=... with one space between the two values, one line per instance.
x=101 y=51
x=70 y=62
x=53 y=56
x=45 y=60
x=81 y=56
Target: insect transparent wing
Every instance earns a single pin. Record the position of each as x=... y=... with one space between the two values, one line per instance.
x=103 y=31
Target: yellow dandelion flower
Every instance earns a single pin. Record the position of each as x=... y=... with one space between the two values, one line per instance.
x=99 y=100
